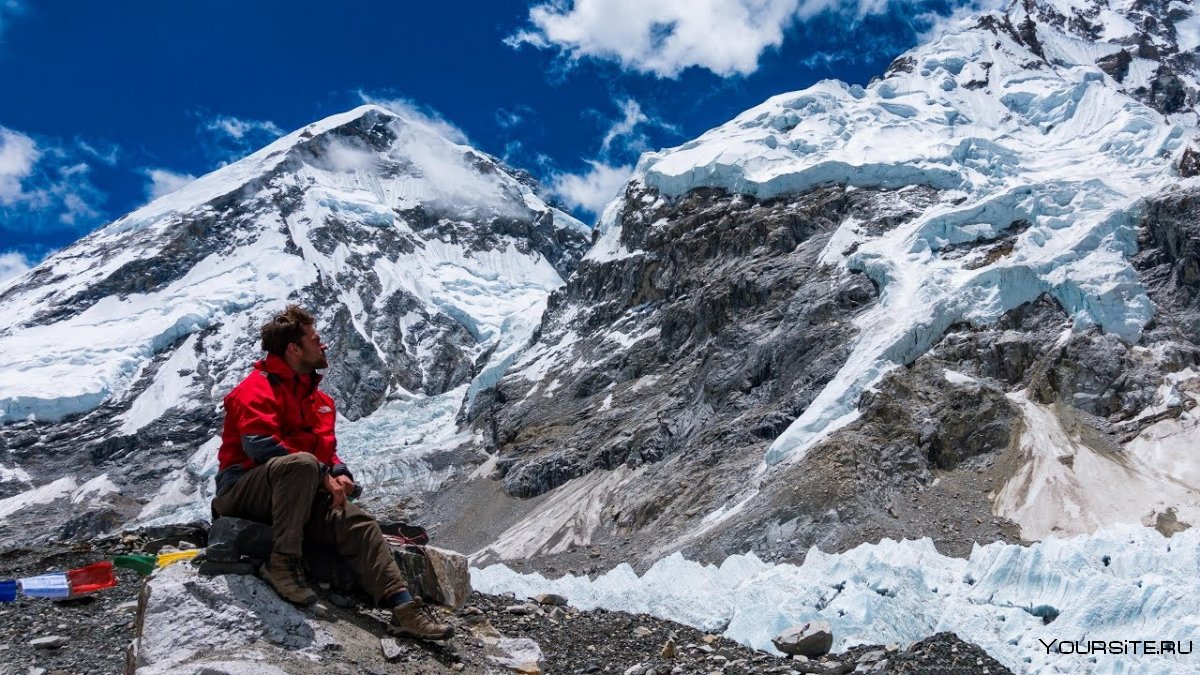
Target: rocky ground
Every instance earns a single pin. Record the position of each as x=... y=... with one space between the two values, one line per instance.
x=599 y=641
x=97 y=630
x=97 y=627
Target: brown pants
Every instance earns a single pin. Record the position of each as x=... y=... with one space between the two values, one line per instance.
x=284 y=492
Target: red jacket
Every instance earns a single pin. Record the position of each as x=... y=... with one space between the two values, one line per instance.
x=274 y=412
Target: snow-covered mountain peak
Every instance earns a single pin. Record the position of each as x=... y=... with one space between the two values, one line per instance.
x=390 y=230
x=236 y=174
x=1048 y=124
x=365 y=141
x=426 y=262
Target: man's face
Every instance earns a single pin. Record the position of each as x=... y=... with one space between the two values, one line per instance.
x=309 y=351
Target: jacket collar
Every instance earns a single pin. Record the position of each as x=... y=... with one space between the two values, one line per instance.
x=275 y=365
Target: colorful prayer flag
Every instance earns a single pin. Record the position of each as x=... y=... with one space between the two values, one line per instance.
x=138 y=562
x=165 y=559
x=53 y=585
x=92 y=578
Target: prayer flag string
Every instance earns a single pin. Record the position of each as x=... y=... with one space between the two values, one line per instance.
x=89 y=578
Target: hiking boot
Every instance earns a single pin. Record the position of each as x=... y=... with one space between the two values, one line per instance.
x=285 y=573
x=414 y=620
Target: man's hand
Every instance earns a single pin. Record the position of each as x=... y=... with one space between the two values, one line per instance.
x=333 y=485
x=347 y=484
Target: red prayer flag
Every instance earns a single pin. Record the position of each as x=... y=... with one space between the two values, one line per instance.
x=94 y=577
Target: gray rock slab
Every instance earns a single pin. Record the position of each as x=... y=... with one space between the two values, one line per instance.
x=392 y=649
x=551 y=599
x=49 y=642
x=235 y=624
x=811 y=639
x=522 y=655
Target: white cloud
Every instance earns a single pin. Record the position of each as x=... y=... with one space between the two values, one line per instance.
x=43 y=184
x=105 y=152
x=13 y=264
x=626 y=126
x=592 y=189
x=227 y=138
x=511 y=150
x=606 y=176
x=625 y=135
x=507 y=118
x=76 y=203
x=18 y=154
x=665 y=37
x=9 y=8
x=163 y=182
x=417 y=114
x=239 y=129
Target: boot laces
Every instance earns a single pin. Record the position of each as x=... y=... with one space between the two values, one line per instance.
x=295 y=568
x=423 y=614
x=426 y=612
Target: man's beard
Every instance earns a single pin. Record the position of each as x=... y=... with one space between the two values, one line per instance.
x=318 y=363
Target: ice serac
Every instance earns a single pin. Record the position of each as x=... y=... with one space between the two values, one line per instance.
x=851 y=311
x=1117 y=585
x=420 y=257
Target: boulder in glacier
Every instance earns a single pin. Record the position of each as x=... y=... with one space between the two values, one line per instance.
x=811 y=639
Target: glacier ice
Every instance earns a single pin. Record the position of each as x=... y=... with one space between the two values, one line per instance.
x=1121 y=583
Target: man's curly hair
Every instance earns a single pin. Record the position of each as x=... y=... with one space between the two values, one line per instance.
x=284 y=329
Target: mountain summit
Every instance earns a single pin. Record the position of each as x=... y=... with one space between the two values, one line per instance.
x=425 y=261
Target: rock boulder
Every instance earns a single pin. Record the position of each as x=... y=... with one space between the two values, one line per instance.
x=811 y=639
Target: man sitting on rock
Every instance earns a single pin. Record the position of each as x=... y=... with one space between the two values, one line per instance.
x=279 y=465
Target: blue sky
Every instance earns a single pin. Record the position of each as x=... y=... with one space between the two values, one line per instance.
x=105 y=105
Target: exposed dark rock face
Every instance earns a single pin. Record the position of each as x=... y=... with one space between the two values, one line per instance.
x=1027 y=34
x=741 y=327
x=684 y=360
x=1097 y=374
x=356 y=377
x=1169 y=262
x=1168 y=92
x=927 y=450
x=1189 y=163
x=919 y=461
x=1116 y=65
x=731 y=365
x=904 y=64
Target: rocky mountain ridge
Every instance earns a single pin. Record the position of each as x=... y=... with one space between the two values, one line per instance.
x=956 y=303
